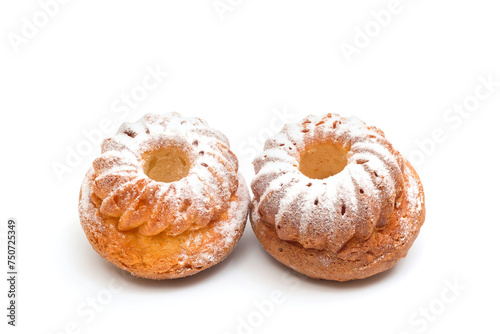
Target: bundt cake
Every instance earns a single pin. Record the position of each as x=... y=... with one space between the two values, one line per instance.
x=334 y=200
x=164 y=199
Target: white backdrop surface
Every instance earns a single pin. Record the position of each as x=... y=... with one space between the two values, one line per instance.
x=426 y=72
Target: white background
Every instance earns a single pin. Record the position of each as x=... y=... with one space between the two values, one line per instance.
x=238 y=70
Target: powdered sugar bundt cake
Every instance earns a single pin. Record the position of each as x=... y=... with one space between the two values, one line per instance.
x=334 y=200
x=164 y=199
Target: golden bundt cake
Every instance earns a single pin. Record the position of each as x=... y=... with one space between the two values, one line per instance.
x=334 y=200
x=164 y=199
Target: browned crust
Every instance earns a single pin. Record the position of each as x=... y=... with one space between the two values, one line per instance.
x=356 y=260
x=163 y=256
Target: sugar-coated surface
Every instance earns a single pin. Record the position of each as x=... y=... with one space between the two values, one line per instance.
x=327 y=213
x=157 y=229
x=195 y=253
x=155 y=207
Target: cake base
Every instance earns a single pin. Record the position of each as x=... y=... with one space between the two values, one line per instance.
x=357 y=259
x=162 y=256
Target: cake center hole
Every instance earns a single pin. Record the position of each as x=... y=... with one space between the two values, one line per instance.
x=166 y=165
x=320 y=161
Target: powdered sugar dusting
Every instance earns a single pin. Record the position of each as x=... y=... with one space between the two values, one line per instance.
x=227 y=230
x=326 y=213
x=210 y=205
x=199 y=197
x=414 y=196
x=414 y=206
x=88 y=211
x=195 y=253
